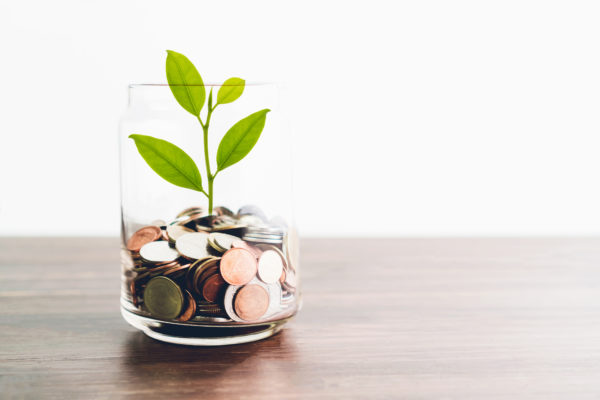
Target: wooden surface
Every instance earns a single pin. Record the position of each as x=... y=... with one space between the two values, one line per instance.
x=415 y=319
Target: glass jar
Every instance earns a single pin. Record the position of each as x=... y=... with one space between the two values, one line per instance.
x=198 y=278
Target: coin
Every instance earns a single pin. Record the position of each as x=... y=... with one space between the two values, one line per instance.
x=275 y=299
x=189 y=275
x=190 y=211
x=230 y=293
x=261 y=240
x=163 y=298
x=176 y=271
x=213 y=246
x=251 y=209
x=204 y=275
x=267 y=230
x=213 y=287
x=133 y=291
x=201 y=272
x=220 y=210
x=270 y=266
x=251 y=302
x=250 y=220
x=143 y=236
x=222 y=241
x=192 y=245
x=225 y=222
x=158 y=252
x=210 y=309
x=238 y=266
x=243 y=245
x=174 y=232
x=190 y=310
x=229 y=255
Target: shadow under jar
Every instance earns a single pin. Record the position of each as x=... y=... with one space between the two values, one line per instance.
x=197 y=278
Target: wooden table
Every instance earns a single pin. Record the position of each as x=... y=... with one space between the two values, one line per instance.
x=391 y=318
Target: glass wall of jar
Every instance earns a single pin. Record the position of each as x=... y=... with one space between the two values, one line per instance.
x=190 y=276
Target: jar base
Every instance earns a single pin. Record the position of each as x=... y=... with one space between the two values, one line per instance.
x=201 y=335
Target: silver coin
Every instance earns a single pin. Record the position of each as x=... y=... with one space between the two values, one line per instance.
x=268 y=236
x=228 y=302
x=192 y=211
x=193 y=245
x=265 y=247
x=174 y=232
x=223 y=228
x=274 y=299
x=213 y=245
x=261 y=240
x=250 y=220
x=223 y=240
x=221 y=220
x=252 y=210
x=265 y=230
x=270 y=266
x=158 y=252
x=220 y=210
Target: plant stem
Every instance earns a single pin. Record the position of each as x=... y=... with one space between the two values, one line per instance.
x=209 y=174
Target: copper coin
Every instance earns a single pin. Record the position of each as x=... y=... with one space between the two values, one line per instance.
x=213 y=288
x=190 y=311
x=200 y=273
x=143 y=236
x=244 y=245
x=238 y=266
x=134 y=297
x=189 y=274
x=203 y=276
x=251 y=302
x=176 y=268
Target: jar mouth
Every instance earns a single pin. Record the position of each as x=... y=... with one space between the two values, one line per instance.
x=210 y=84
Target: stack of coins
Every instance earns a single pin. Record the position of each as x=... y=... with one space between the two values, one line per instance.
x=221 y=267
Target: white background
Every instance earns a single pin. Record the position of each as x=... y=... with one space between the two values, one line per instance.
x=420 y=118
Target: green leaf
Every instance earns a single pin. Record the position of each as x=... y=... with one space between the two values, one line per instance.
x=231 y=90
x=240 y=139
x=169 y=161
x=185 y=82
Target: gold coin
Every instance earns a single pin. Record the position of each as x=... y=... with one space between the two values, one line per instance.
x=163 y=298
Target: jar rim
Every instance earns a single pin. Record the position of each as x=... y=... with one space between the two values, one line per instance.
x=210 y=84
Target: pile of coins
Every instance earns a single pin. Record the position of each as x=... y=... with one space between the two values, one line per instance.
x=221 y=267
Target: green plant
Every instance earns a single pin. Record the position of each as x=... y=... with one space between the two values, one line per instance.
x=175 y=165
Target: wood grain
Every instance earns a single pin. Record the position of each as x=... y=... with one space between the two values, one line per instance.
x=382 y=318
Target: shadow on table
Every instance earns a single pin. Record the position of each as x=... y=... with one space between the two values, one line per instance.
x=148 y=363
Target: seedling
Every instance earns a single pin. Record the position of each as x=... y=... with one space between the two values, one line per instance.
x=175 y=165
